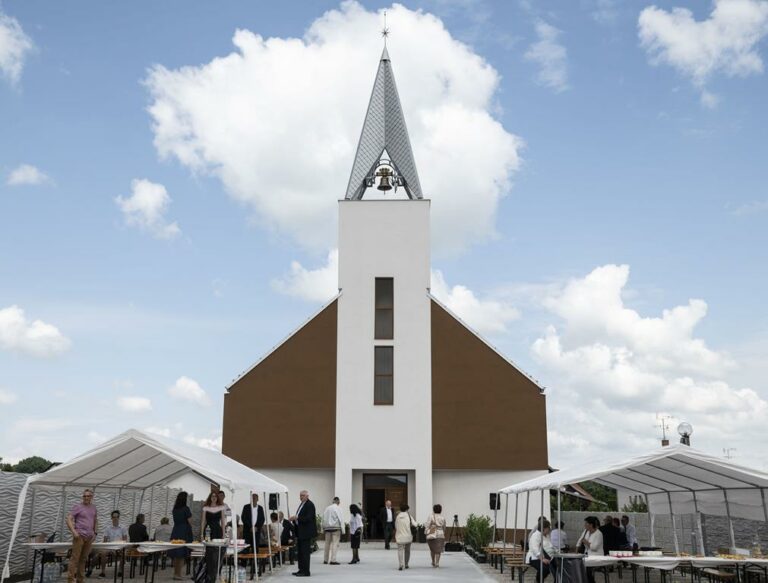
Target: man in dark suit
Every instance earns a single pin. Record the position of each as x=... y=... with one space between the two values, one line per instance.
x=387 y=519
x=287 y=536
x=137 y=532
x=251 y=528
x=611 y=535
x=305 y=528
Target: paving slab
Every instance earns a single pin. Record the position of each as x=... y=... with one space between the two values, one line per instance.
x=380 y=566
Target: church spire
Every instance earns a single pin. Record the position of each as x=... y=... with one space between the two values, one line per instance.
x=384 y=131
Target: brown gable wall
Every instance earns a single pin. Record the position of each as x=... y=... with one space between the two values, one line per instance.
x=282 y=414
x=486 y=415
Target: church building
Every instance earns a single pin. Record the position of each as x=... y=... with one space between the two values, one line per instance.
x=384 y=393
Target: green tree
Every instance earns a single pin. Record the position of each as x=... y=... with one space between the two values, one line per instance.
x=636 y=504
x=605 y=499
x=5 y=467
x=32 y=465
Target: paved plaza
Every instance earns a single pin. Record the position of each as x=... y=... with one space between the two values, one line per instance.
x=380 y=566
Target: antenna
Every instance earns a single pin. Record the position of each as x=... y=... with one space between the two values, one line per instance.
x=662 y=421
x=728 y=452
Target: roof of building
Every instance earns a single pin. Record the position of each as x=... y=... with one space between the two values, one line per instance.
x=384 y=130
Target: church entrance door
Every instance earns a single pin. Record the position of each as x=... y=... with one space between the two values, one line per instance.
x=377 y=489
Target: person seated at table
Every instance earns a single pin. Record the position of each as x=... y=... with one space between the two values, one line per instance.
x=287 y=535
x=592 y=541
x=540 y=550
x=559 y=537
x=112 y=534
x=275 y=529
x=163 y=532
x=137 y=532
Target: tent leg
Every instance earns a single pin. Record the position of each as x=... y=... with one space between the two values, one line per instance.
x=514 y=528
x=651 y=521
x=506 y=521
x=698 y=526
x=233 y=541
x=31 y=525
x=495 y=516
x=63 y=512
x=730 y=520
x=269 y=537
x=151 y=506
x=674 y=524
x=765 y=508
x=560 y=545
x=541 y=558
x=6 y=572
x=527 y=509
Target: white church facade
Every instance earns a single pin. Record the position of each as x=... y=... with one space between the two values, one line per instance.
x=384 y=393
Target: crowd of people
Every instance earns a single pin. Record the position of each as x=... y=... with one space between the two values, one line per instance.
x=613 y=535
x=298 y=532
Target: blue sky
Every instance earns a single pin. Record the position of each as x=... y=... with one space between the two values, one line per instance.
x=612 y=171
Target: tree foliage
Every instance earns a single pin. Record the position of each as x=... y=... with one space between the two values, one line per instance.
x=29 y=465
x=636 y=504
x=605 y=499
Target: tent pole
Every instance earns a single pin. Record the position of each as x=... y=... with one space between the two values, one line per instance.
x=730 y=520
x=698 y=524
x=6 y=572
x=674 y=524
x=541 y=557
x=141 y=500
x=31 y=520
x=151 y=505
x=514 y=531
x=233 y=530
x=506 y=521
x=63 y=511
x=560 y=541
x=269 y=537
x=651 y=521
x=765 y=508
x=495 y=523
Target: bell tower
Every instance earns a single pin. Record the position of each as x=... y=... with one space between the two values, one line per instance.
x=384 y=382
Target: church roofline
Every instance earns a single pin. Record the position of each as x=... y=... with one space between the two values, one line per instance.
x=283 y=341
x=541 y=388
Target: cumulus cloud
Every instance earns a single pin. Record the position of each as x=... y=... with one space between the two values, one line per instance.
x=487 y=316
x=726 y=42
x=751 y=208
x=26 y=174
x=7 y=397
x=187 y=389
x=551 y=57
x=313 y=285
x=42 y=424
x=146 y=209
x=213 y=442
x=35 y=338
x=278 y=119
x=134 y=404
x=609 y=366
x=15 y=45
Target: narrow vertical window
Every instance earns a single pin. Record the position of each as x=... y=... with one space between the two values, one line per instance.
x=383 y=382
x=384 y=326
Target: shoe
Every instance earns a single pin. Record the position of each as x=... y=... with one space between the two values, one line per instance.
x=325 y=562
x=352 y=562
x=406 y=566
x=333 y=563
x=101 y=575
x=400 y=569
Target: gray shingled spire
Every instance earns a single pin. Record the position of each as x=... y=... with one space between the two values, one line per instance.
x=384 y=129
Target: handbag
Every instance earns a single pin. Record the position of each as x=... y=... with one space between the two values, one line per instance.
x=414 y=530
x=432 y=529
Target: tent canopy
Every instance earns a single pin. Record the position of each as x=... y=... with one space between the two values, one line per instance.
x=135 y=460
x=674 y=480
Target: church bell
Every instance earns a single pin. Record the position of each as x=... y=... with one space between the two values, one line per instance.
x=385 y=183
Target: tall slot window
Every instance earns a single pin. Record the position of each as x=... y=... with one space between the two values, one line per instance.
x=384 y=326
x=383 y=383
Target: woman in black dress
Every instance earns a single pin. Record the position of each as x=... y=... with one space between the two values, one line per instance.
x=213 y=520
x=182 y=530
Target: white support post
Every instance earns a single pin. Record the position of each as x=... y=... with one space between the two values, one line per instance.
x=541 y=558
x=506 y=517
x=62 y=514
x=514 y=531
x=674 y=524
x=699 y=529
x=495 y=515
x=269 y=538
x=730 y=520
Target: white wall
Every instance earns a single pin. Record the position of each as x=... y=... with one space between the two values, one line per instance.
x=384 y=238
x=467 y=492
x=319 y=483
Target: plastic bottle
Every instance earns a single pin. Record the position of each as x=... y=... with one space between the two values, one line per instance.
x=207 y=536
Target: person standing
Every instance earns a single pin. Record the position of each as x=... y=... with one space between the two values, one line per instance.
x=287 y=536
x=253 y=522
x=403 y=536
x=592 y=540
x=610 y=535
x=387 y=519
x=355 y=531
x=305 y=528
x=435 y=530
x=182 y=530
x=214 y=520
x=333 y=522
x=83 y=524
x=630 y=532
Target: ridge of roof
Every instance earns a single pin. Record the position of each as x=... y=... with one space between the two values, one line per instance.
x=541 y=388
x=283 y=341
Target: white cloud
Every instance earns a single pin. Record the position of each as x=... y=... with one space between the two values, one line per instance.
x=146 y=209
x=7 y=397
x=42 y=424
x=551 y=57
x=161 y=431
x=487 y=316
x=726 y=42
x=35 y=338
x=278 y=119
x=313 y=285
x=134 y=404
x=187 y=389
x=207 y=442
x=26 y=174
x=604 y=11
x=751 y=208
x=96 y=437
x=15 y=45
x=610 y=367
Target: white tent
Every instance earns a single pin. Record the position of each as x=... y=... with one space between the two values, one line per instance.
x=676 y=479
x=135 y=461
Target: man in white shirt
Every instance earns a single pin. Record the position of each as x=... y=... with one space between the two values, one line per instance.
x=540 y=550
x=333 y=522
x=559 y=537
x=630 y=532
x=113 y=533
x=387 y=519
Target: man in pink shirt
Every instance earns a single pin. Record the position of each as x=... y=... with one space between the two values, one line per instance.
x=81 y=522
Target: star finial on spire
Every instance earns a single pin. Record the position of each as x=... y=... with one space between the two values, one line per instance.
x=385 y=30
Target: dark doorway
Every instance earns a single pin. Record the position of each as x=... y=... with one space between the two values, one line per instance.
x=377 y=489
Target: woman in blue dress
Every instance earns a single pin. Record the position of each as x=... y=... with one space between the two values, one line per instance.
x=182 y=530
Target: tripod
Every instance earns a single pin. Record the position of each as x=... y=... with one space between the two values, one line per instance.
x=455 y=541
